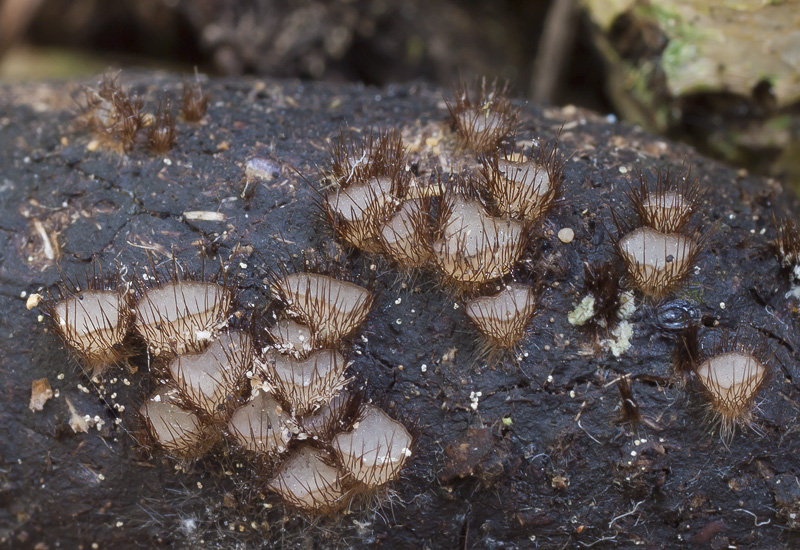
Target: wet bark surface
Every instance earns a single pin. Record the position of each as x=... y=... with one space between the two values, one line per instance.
x=512 y=455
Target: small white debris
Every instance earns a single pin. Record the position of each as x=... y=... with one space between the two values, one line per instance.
x=40 y=393
x=582 y=312
x=76 y=421
x=473 y=399
x=722 y=305
x=204 y=216
x=424 y=368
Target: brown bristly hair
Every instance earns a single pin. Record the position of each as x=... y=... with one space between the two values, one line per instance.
x=649 y=199
x=787 y=242
x=195 y=102
x=487 y=101
x=161 y=134
x=520 y=201
x=601 y=280
x=112 y=113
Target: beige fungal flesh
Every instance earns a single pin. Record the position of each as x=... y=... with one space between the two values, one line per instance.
x=732 y=380
x=305 y=384
x=358 y=208
x=475 y=247
x=665 y=211
x=175 y=429
x=212 y=379
x=292 y=337
x=405 y=237
x=308 y=481
x=656 y=261
x=376 y=449
x=93 y=323
x=502 y=318
x=333 y=309
x=521 y=189
x=182 y=315
x=261 y=425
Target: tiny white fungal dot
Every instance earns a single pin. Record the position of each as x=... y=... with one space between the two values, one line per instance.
x=572 y=393
x=101 y=477
x=566 y=235
x=424 y=368
x=623 y=169
x=633 y=453
x=199 y=485
x=550 y=379
x=23 y=294
x=398 y=301
x=722 y=305
x=119 y=524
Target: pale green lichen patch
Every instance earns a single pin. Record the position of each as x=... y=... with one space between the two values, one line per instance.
x=583 y=312
x=621 y=341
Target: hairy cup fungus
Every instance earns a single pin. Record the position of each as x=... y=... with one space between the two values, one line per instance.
x=305 y=384
x=112 y=113
x=656 y=262
x=213 y=379
x=333 y=309
x=177 y=430
x=668 y=205
x=182 y=316
x=731 y=381
x=503 y=317
x=473 y=247
x=357 y=211
x=309 y=480
x=93 y=323
x=484 y=121
x=261 y=425
x=376 y=449
x=161 y=134
x=405 y=237
x=195 y=102
x=524 y=189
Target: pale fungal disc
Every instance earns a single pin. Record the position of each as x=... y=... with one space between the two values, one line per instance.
x=665 y=210
x=333 y=309
x=475 y=247
x=353 y=202
x=308 y=481
x=732 y=379
x=376 y=449
x=405 y=236
x=504 y=316
x=212 y=378
x=291 y=337
x=482 y=128
x=181 y=314
x=656 y=260
x=93 y=323
x=566 y=235
x=174 y=428
x=357 y=210
x=261 y=425
x=305 y=384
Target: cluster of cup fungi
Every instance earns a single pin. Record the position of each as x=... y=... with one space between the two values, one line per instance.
x=116 y=117
x=279 y=393
x=472 y=229
x=276 y=393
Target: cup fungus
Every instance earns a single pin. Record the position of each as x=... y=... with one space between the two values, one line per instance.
x=524 y=189
x=473 y=247
x=483 y=122
x=112 y=114
x=213 y=379
x=309 y=480
x=376 y=449
x=656 y=262
x=405 y=237
x=182 y=315
x=333 y=309
x=305 y=384
x=94 y=324
x=668 y=205
x=176 y=429
x=503 y=317
x=357 y=211
x=261 y=425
